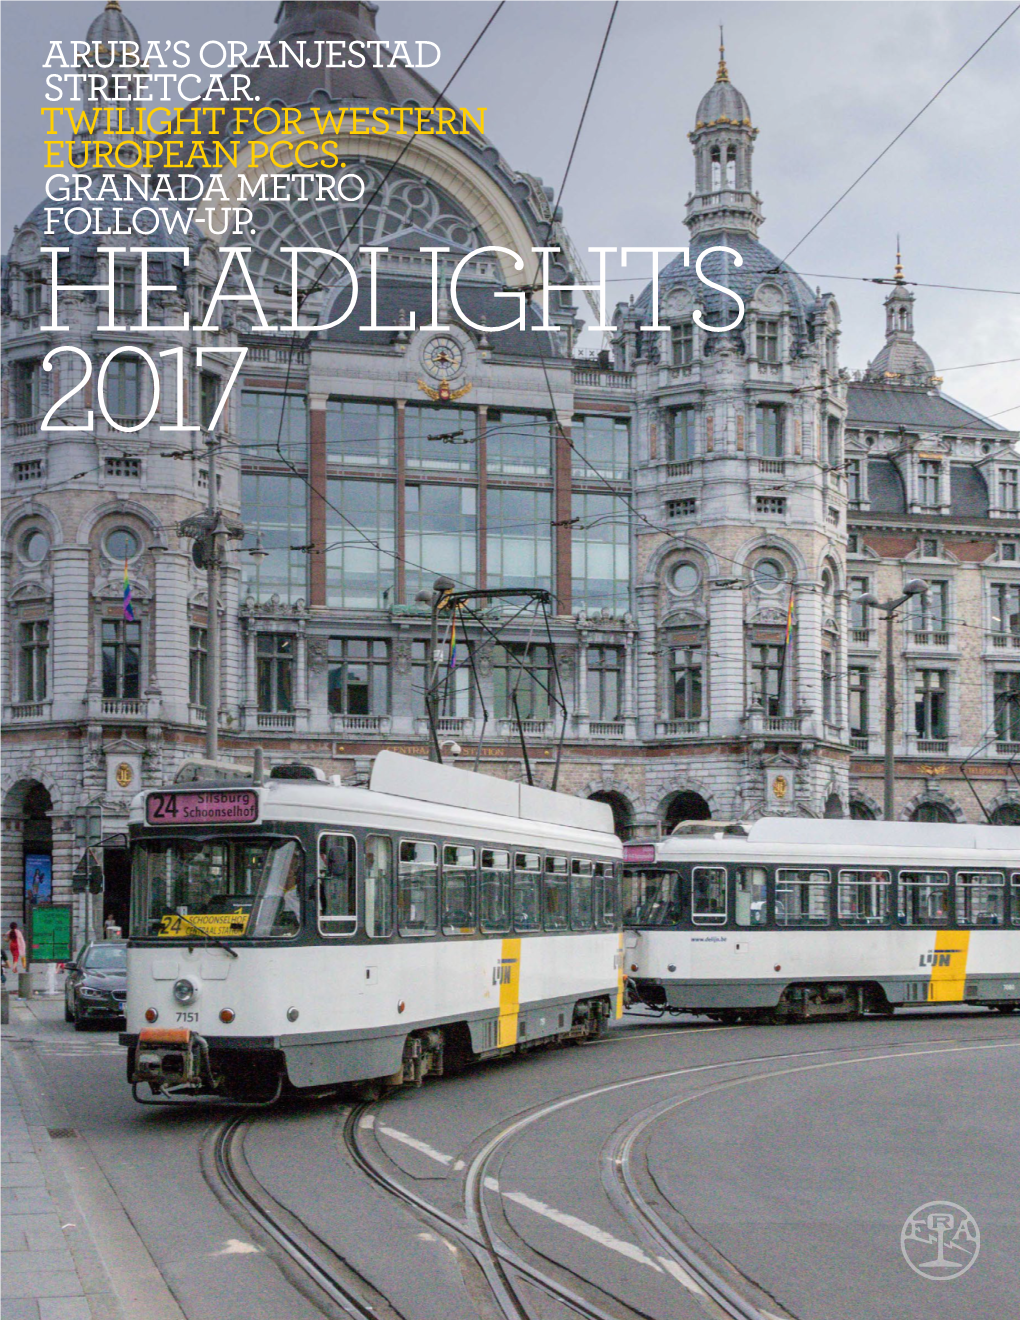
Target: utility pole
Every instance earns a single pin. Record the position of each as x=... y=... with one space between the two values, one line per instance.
x=212 y=677
x=441 y=588
x=915 y=587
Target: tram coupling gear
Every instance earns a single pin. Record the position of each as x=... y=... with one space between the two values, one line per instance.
x=173 y=1058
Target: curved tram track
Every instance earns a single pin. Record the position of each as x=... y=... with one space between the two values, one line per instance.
x=511 y=1273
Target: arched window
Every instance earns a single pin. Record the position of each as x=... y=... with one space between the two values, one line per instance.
x=833 y=807
x=860 y=810
x=731 y=168
x=716 y=170
x=1006 y=814
x=686 y=805
x=904 y=319
x=928 y=813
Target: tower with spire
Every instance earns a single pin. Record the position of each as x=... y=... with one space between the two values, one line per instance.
x=901 y=358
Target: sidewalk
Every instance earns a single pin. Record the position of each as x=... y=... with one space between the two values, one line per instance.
x=50 y=1268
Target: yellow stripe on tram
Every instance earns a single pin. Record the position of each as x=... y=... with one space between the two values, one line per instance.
x=949 y=970
x=509 y=991
x=619 y=978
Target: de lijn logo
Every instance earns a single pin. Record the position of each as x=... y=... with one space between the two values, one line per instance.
x=940 y=1240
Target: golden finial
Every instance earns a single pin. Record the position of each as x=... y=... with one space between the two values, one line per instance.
x=721 y=74
x=899 y=263
x=113 y=4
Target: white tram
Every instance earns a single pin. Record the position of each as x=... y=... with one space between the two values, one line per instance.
x=788 y=919
x=296 y=931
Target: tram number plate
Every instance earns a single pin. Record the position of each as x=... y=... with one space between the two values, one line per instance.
x=238 y=807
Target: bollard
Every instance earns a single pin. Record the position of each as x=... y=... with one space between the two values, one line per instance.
x=24 y=985
x=5 y=1008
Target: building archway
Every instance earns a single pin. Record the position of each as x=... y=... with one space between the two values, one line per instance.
x=685 y=805
x=623 y=813
x=932 y=812
x=833 y=807
x=861 y=810
x=1006 y=813
x=28 y=869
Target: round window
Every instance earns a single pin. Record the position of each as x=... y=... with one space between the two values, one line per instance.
x=121 y=544
x=685 y=579
x=769 y=574
x=35 y=546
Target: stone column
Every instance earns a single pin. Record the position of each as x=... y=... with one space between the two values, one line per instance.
x=806 y=683
x=630 y=646
x=250 y=704
x=317 y=479
x=72 y=641
x=726 y=661
x=169 y=639
x=301 y=676
x=581 y=680
x=646 y=685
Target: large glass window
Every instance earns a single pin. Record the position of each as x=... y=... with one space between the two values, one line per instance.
x=418 y=888
x=864 y=898
x=520 y=538
x=122 y=659
x=209 y=397
x=33 y=658
x=519 y=443
x=267 y=418
x=751 y=896
x=686 y=683
x=459 y=912
x=929 y=483
x=769 y=430
x=494 y=890
x=929 y=610
x=198 y=664
x=26 y=382
x=681 y=441
x=274 y=671
x=601 y=553
x=457 y=451
x=359 y=676
x=980 y=898
x=378 y=885
x=860 y=695
x=767 y=664
x=802 y=898
x=605 y=678
x=275 y=508
x=931 y=714
x=523 y=672
x=828 y=687
x=360 y=433
x=605 y=443
x=1005 y=599
x=651 y=898
x=123 y=388
x=360 y=544
x=228 y=889
x=441 y=535
x=766 y=340
x=1009 y=490
x=338 y=884
x=1006 y=703
x=924 y=898
x=455 y=684
x=708 y=895
x=683 y=344
x=860 y=615
x=527 y=891
x=125 y=293
x=854 y=482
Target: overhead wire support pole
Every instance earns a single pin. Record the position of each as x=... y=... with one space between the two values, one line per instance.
x=212 y=677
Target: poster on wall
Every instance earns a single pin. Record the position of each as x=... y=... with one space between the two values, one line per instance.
x=38 y=879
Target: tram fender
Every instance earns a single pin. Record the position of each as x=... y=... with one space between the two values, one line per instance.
x=324 y=1063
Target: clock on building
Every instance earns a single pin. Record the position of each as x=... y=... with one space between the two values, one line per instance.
x=442 y=357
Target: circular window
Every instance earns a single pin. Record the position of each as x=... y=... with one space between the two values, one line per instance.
x=685 y=579
x=121 y=544
x=769 y=574
x=35 y=546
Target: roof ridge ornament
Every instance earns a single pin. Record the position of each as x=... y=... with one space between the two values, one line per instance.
x=899 y=263
x=722 y=74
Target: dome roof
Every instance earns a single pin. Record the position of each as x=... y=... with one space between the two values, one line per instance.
x=900 y=356
x=756 y=269
x=722 y=103
x=111 y=25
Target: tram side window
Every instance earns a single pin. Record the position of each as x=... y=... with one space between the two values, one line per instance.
x=610 y=903
x=338 y=889
x=802 y=897
x=980 y=898
x=379 y=885
x=494 y=890
x=418 y=888
x=864 y=898
x=557 y=893
x=751 y=896
x=581 y=885
x=1015 y=898
x=924 y=898
x=458 y=889
x=527 y=891
x=651 y=898
x=708 y=895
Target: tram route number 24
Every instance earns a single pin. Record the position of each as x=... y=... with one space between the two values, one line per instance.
x=179 y=423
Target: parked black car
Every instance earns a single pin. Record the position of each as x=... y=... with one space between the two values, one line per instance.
x=96 y=985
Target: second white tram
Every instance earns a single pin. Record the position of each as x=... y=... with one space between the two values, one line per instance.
x=301 y=932
x=788 y=919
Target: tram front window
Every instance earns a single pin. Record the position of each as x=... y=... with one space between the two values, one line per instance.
x=227 y=889
x=651 y=898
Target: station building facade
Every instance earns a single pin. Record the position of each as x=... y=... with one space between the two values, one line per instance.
x=703 y=509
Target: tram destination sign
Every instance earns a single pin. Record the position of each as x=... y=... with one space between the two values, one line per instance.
x=239 y=806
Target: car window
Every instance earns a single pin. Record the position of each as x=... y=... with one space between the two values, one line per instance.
x=106 y=958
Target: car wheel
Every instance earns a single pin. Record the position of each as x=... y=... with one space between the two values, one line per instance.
x=79 y=1021
x=68 y=1015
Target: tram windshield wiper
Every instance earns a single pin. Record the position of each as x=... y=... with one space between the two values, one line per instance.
x=209 y=939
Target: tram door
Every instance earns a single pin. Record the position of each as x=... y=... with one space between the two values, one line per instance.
x=117 y=882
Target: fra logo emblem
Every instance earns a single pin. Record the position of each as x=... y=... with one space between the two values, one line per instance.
x=940 y=1240
x=502 y=972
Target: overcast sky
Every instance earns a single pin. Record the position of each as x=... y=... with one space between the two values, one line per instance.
x=829 y=85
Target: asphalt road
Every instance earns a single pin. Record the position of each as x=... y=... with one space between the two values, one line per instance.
x=787 y=1157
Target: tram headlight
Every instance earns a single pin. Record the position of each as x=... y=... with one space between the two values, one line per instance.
x=185 y=990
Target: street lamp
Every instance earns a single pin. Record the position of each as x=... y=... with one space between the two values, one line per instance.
x=915 y=587
x=440 y=589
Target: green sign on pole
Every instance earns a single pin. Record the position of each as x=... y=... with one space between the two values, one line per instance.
x=49 y=934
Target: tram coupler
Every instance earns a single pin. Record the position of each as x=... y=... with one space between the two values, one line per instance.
x=175 y=1057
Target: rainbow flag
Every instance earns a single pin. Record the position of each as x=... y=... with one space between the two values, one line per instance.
x=453 y=643
x=129 y=612
x=789 y=618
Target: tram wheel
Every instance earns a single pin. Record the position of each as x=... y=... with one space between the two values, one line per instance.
x=1005 y=1008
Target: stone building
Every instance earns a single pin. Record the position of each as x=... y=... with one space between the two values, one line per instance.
x=702 y=505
